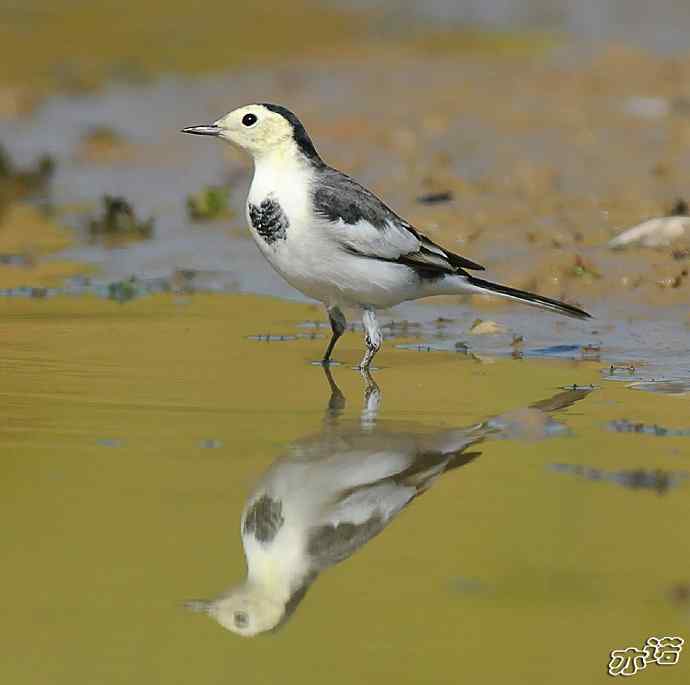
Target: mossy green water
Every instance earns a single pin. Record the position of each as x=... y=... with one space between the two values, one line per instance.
x=117 y=511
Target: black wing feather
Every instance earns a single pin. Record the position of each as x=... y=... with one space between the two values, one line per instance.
x=338 y=197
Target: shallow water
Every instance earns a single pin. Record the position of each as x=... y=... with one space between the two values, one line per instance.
x=134 y=433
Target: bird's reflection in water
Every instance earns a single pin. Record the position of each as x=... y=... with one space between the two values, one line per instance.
x=333 y=493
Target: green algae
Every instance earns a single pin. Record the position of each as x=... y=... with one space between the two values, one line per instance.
x=208 y=204
x=119 y=221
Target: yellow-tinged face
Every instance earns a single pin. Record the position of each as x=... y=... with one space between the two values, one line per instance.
x=254 y=128
x=244 y=610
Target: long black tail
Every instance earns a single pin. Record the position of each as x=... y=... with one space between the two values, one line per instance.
x=528 y=298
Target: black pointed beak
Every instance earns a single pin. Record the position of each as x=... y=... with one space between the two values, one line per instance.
x=205 y=130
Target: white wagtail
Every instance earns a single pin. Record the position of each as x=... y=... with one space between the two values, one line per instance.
x=332 y=494
x=333 y=239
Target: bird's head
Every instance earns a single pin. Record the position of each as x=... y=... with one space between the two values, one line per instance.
x=260 y=129
x=245 y=610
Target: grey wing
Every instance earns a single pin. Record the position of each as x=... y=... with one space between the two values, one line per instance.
x=365 y=225
x=356 y=519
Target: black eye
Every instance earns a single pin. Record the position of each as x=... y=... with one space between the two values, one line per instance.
x=249 y=119
x=241 y=619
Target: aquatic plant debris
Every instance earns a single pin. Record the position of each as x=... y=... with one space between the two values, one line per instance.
x=209 y=203
x=569 y=351
x=310 y=336
x=123 y=291
x=435 y=198
x=618 y=368
x=119 y=221
x=663 y=387
x=625 y=426
x=421 y=348
x=634 y=479
x=452 y=346
x=582 y=269
x=268 y=337
x=17 y=183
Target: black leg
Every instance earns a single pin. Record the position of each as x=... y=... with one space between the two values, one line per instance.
x=336 y=402
x=338 y=325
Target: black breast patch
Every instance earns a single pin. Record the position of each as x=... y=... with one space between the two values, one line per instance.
x=264 y=519
x=269 y=220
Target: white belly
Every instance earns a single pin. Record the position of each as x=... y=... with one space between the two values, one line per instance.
x=315 y=267
x=308 y=258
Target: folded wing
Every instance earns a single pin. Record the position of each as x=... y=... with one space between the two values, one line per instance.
x=363 y=224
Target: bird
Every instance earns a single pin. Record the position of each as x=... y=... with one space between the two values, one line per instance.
x=333 y=239
x=332 y=493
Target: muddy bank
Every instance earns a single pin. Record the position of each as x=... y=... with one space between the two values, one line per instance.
x=542 y=162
